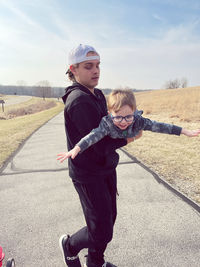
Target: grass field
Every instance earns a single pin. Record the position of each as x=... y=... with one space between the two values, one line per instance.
x=174 y=158
x=14 y=131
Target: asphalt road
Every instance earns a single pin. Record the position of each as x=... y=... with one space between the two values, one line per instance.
x=16 y=100
x=154 y=228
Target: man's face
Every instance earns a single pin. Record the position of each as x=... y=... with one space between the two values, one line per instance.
x=87 y=73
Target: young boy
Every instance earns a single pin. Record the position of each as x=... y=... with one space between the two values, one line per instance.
x=123 y=121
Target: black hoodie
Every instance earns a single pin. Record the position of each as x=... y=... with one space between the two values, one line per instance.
x=83 y=112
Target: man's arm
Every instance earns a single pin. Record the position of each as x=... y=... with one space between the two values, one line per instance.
x=131 y=139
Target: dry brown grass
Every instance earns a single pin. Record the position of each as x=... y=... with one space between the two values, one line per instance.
x=30 y=109
x=182 y=103
x=34 y=105
x=176 y=159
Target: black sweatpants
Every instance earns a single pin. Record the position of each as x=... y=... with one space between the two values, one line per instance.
x=98 y=202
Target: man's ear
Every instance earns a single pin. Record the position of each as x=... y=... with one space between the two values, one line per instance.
x=73 y=69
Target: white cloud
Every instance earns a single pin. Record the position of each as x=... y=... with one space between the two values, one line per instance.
x=28 y=50
x=150 y=62
x=159 y=18
x=9 y=5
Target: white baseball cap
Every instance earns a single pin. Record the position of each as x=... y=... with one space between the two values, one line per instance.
x=79 y=54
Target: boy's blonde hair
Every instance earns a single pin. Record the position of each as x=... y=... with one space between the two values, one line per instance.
x=119 y=98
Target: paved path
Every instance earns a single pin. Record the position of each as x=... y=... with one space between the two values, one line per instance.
x=38 y=203
x=17 y=100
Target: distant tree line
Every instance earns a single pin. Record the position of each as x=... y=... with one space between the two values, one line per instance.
x=42 y=89
x=176 y=83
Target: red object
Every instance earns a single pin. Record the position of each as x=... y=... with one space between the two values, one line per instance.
x=2 y=255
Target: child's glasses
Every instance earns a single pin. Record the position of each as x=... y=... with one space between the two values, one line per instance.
x=127 y=118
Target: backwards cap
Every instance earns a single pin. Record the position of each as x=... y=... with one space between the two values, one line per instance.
x=79 y=54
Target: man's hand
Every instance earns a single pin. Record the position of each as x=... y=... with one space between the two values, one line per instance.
x=131 y=139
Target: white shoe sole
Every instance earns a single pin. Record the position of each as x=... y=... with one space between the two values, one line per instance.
x=61 y=247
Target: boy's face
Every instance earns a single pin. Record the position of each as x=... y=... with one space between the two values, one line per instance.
x=88 y=72
x=127 y=113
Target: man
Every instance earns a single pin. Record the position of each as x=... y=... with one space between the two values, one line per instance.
x=93 y=172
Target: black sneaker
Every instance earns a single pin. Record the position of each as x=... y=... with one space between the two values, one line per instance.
x=69 y=259
x=10 y=263
x=106 y=264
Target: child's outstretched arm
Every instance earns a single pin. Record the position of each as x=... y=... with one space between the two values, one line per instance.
x=160 y=127
x=72 y=153
x=190 y=133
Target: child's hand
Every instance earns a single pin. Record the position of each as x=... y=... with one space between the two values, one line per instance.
x=72 y=153
x=190 y=133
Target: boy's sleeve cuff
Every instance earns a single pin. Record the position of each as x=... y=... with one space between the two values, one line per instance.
x=176 y=130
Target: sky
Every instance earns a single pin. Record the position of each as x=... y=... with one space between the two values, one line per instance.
x=142 y=43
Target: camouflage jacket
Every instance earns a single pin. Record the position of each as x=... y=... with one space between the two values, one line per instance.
x=107 y=127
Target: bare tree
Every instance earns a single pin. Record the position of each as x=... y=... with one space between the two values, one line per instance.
x=21 y=83
x=176 y=83
x=168 y=84
x=184 y=82
x=21 y=88
x=172 y=84
x=44 y=89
